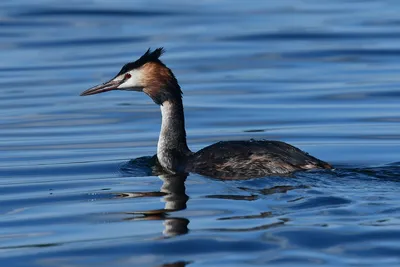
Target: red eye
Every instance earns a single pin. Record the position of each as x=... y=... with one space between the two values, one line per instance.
x=127 y=76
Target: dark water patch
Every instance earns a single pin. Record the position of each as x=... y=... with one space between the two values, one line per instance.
x=11 y=35
x=381 y=22
x=383 y=119
x=93 y=12
x=250 y=229
x=321 y=54
x=266 y=214
x=29 y=83
x=176 y=264
x=14 y=23
x=186 y=247
x=321 y=201
x=46 y=220
x=233 y=197
x=43 y=187
x=384 y=94
x=298 y=10
x=377 y=252
x=279 y=189
x=313 y=36
x=80 y=42
x=53 y=170
x=361 y=95
x=254 y=131
x=390 y=173
x=294 y=260
x=59 y=67
x=328 y=238
x=162 y=247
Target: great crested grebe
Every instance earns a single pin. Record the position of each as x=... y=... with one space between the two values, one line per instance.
x=225 y=159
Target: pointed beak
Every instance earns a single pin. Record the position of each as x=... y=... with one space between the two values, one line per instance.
x=101 y=88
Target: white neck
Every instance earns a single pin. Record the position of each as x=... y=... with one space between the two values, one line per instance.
x=172 y=148
x=166 y=116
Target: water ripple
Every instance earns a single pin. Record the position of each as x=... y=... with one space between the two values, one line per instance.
x=93 y=12
x=314 y=36
x=76 y=184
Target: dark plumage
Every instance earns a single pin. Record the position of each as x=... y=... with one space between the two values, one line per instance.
x=149 y=56
x=254 y=158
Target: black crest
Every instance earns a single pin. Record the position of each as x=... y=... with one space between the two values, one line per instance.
x=149 y=56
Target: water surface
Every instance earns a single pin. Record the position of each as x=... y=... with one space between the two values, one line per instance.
x=321 y=75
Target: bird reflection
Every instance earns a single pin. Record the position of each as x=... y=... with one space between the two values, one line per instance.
x=172 y=191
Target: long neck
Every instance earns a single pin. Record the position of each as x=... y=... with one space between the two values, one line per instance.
x=172 y=149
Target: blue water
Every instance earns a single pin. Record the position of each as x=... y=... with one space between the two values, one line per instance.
x=322 y=75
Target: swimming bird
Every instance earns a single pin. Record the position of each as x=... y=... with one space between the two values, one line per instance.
x=225 y=159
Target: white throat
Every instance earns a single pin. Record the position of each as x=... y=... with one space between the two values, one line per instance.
x=164 y=138
x=172 y=150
